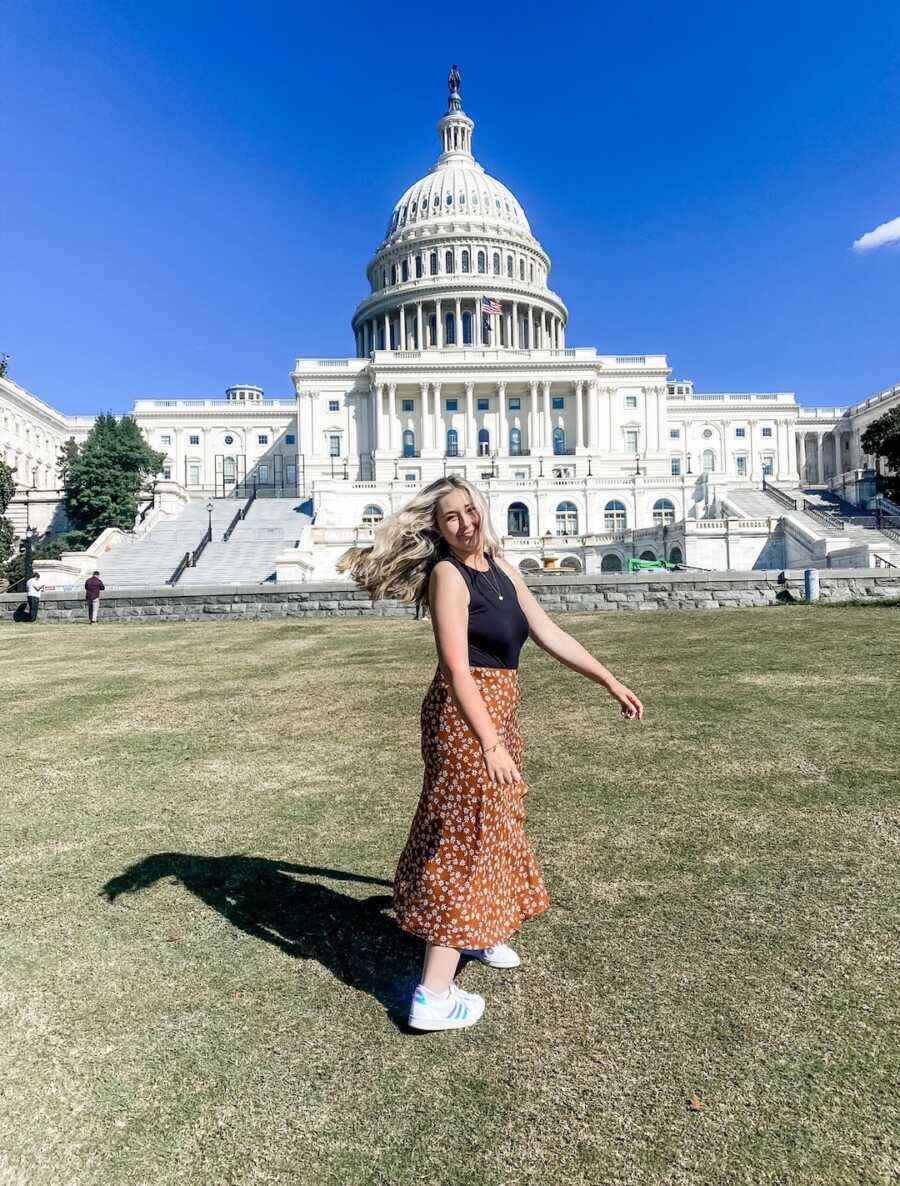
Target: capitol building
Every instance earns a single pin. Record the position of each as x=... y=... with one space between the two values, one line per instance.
x=462 y=364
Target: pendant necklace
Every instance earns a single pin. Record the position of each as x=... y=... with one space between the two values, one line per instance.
x=492 y=583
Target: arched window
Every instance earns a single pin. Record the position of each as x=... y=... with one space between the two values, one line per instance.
x=647 y=554
x=482 y=262
x=371 y=515
x=614 y=518
x=449 y=330
x=496 y=262
x=419 y=267
x=675 y=556
x=709 y=461
x=467 y=329
x=381 y=337
x=517 y=519
x=531 y=273
x=515 y=442
x=432 y=263
x=484 y=442
x=521 y=269
x=432 y=330
x=465 y=261
x=409 y=443
x=448 y=262
x=567 y=519
x=393 y=327
x=509 y=266
x=663 y=512
x=404 y=269
x=384 y=277
x=611 y=563
x=529 y=566
x=452 y=442
x=559 y=441
x=393 y=273
x=570 y=564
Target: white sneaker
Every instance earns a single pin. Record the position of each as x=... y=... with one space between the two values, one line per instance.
x=499 y=956
x=455 y=1012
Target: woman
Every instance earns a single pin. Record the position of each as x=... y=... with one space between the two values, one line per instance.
x=467 y=878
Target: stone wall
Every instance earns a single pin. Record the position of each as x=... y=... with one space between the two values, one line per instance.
x=570 y=594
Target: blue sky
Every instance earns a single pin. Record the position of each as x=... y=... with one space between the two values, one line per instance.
x=192 y=190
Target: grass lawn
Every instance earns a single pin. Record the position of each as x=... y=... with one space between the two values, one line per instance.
x=199 y=823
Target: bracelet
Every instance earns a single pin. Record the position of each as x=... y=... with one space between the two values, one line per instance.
x=485 y=752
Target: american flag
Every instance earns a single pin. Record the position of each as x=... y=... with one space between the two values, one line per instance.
x=490 y=305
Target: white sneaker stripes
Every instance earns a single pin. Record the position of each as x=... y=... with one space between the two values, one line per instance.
x=457 y=1011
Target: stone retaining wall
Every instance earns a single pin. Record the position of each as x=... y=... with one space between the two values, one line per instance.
x=572 y=594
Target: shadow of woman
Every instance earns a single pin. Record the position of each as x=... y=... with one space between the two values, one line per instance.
x=352 y=937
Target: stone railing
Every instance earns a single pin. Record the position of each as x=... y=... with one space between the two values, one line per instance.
x=558 y=594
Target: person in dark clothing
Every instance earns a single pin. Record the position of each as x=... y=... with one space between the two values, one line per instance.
x=93 y=587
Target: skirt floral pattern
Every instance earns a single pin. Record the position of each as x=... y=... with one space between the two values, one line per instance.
x=467 y=876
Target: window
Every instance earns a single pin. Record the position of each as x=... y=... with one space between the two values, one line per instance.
x=614 y=518
x=432 y=329
x=482 y=263
x=467 y=329
x=166 y=438
x=709 y=461
x=630 y=401
x=559 y=441
x=663 y=512
x=448 y=262
x=452 y=443
x=520 y=475
x=567 y=519
x=229 y=440
x=194 y=439
x=465 y=261
x=406 y=405
x=611 y=563
x=372 y=515
x=432 y=263
x=674 y=434
x=558 y=402
x=264 y=472
x=496 y=262
x=449 y=330
x=515 y=404
x=631 y=440
x=768 y=465
x=333 y=406
x=262 y=439
x=409 y=444
x=393 y=273
x=452 y=405
x=521 y=269
x=404 y=269
x=167 y=472
x=411 y=475
x=484 y=442
x=740 y=432
x=517 y=519
x=334 y=444
x=418 y=267
x=515 y=442
x=484 y=405
x=509 y=266
x=676 y=467
x=741 y=466
x=531 y=273
x=767 y=431
x=290 y=438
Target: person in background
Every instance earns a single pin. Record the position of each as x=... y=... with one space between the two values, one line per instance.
x=93 y=587
x=33 y=588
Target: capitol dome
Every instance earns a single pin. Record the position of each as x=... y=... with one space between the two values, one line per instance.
x=459 y=265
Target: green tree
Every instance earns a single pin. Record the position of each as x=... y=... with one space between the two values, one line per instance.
x=103 y=477
x=882 y=439
x=7 y=542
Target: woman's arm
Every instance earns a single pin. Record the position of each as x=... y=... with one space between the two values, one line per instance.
x=448 y=603
x=568 y=650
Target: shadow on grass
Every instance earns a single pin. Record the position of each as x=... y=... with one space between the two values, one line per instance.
x=352 y=937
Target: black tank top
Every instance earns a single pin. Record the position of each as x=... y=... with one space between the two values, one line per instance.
x=497 y=629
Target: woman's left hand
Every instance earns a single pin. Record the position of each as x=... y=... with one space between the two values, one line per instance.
x=631 y=707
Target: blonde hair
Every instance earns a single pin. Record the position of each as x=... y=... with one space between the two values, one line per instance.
x=408 y=544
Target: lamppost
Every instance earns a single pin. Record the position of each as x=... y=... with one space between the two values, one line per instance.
x=589 y=474
x=541 y=464
x=637 y=465
x=688 y=463
x=209 y=511
x=494 y=470
x=346 y=468
x=396 y=475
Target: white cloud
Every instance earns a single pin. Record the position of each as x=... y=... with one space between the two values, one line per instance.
x=888 y=232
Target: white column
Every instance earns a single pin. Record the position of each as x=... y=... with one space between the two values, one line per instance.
x=801 y=460
x=426 y=418
x=387 y=332
x=458 y=326
x=438 y=437
x=503 y=444
x=439 y=324
x=531 y=327
x=546 y=422
x=471 y=430
x=516 y=343
x=661 y=437
x=420 y=342
x=402 y=343
x=751 y=424
x=533 y=418
x=476 y=323
x=392 y=434
x=593 y=416
x=820 y=459
x=613 y=444
x=562 y=334
x=376 y=417
x=579 y=415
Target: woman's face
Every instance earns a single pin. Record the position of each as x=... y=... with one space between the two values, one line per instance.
x=459 y=522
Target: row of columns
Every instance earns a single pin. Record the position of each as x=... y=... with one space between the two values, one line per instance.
x=537 y=418
x=519 y=326
x=811 y=460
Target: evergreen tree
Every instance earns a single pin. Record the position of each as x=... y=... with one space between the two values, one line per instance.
x=882 y=439
x=7 y=542
x=103 y=476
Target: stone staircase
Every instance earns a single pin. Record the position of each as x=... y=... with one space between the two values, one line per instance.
x=248 y=556
x=142 y=560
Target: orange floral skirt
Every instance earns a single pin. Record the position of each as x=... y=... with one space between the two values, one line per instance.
x=467 y=876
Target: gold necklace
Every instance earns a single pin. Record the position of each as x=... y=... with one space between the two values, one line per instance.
x=492 y=583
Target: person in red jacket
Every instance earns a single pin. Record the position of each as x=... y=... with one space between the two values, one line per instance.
x=93 y=587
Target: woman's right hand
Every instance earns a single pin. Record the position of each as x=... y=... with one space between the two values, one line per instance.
x=501 y=768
